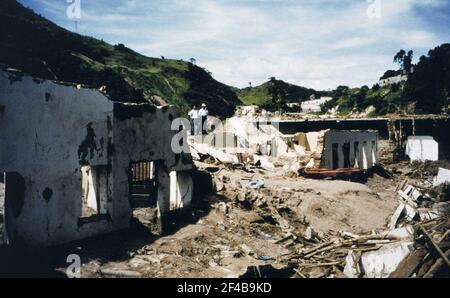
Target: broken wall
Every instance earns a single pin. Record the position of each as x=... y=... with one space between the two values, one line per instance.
x=350 y=149
x=259 y=136
x=436 y=126
x=47 y=130
x=422 y=148
x=145 y=134
x=52 y=131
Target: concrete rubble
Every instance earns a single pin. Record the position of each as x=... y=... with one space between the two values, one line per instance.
x=422 y=148
x=442 y=177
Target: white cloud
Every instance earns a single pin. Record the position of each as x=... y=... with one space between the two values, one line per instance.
x=318 y=44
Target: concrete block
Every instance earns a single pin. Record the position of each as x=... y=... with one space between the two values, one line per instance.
x=422 y=148
x=443 y=176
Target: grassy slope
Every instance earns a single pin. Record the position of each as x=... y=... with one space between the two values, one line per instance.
x=41 y=48
x=254 y=95
x=385 y=100
x=260 y=94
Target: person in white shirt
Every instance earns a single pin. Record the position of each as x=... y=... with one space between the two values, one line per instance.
x=193 y=115
x=203 y=114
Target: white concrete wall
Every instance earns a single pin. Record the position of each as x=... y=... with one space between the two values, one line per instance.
x=181 y=190
x=145 y=135
x=49 y=130
x=44 y=136
x=367 y=156
x=422 y=148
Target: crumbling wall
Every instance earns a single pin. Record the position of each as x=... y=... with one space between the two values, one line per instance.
x=48 y=130
x=422 y=148
x=350 y=149
x=181 y=189
x=259 y=136
x=145 y=134
x=310 y=144
x=51 y=132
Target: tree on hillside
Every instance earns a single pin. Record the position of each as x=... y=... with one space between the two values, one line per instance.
x=340 y=91
x=429 y=84
x=192 y=60
x=278 y=95
x=375 y=87
x=404 y=60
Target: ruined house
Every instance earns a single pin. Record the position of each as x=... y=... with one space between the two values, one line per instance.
x=262 y=140
x=74 y=164
x=350 y=149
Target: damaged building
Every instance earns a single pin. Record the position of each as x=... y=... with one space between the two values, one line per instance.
x=75 y=164
x=350 y=149
x=245 y=139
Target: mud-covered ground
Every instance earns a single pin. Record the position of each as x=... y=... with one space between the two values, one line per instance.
x=231 y=231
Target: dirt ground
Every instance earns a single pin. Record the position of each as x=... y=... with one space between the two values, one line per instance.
x=240 y=227
x=235 y=229
x=328 y=205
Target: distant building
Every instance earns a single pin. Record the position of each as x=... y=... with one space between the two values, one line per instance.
x=393 y=80
x=314 y=104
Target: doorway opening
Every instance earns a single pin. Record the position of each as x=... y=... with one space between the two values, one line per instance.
x=96 y=192
x=346 y=153
x=335 y=155
x=144 y=193
x=12 y=197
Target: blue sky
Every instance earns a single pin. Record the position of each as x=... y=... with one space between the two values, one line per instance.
x=314 y=43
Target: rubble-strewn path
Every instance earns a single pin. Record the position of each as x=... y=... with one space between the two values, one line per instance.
x=291 y=226
x=244 y=227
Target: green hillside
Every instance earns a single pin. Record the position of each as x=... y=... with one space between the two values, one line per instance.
x=39 y=47
x=384 y=100
x=265 y=92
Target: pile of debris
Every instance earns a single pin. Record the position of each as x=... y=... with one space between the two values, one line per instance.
x=415 y=244
x=424 y=199
x=261 y=224
x=410 y=251
x=428 y=169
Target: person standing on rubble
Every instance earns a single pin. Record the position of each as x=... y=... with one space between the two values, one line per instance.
x=193 y=116
x=203 y=113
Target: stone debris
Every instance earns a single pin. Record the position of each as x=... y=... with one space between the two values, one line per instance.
x=422 y=148
x=442 y=177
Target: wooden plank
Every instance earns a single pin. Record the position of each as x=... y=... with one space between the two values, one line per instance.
x=410 y=264
x=436 y=247
x=311 y=265
x=323 y=250
x=308 y=251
